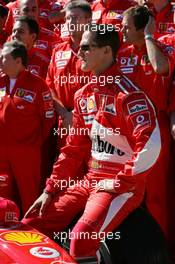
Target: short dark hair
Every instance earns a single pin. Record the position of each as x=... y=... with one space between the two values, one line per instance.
x=3 y=11
x=82 y=4
x=107 y=37
x=17 y=50
x=32 y=24
x=140 y=15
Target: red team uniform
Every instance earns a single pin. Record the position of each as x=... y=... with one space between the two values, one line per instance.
x=64 y=64
x=37 y=63
x=26 y=117
x=125 y=156
x=134 y=63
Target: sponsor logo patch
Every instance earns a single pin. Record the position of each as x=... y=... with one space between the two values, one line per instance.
x=91 y=104
x=46 y=96
x=49 y=114
x=25 y=95
x=35 y=69
x=82 y=105
x=41 y=44
x=23 y=238
x=141 y=120
x=96 y=15
x=137 y=106
x=44 y=252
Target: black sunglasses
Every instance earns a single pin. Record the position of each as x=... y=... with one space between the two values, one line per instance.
x=86 y=47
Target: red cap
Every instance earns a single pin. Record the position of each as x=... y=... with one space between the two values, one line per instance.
x=9 y=212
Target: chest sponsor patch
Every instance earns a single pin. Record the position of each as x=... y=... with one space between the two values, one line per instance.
x=66 y=55
x=26 y=95
x=137 y=106
x=166 y=28
x=91 y=104
x=114 y=14
x=96 y=15
x=82 y=105
x=107 y=104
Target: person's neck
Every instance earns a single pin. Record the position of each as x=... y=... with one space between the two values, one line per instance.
x=140 y=43
x=16 y=74
x=160 y=5
x=75 y=42
x=103 y=68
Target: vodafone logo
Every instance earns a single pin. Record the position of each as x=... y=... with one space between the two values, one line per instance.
x=140 y=119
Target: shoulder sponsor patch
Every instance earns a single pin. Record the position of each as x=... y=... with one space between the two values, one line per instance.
x=66 y=55
x=26 y=95
x=137 y=106
x=141 y=120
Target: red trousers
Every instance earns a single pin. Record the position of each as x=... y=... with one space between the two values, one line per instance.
x=20 y=174
x=103 y=211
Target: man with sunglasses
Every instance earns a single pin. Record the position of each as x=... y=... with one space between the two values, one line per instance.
x=116 y=131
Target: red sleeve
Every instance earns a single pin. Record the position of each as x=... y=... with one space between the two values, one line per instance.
x=139 y=120
x=72 y=155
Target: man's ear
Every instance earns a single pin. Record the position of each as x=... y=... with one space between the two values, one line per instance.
x=18 y=61
x=34 y=37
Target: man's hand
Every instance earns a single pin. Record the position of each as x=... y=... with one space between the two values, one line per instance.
x=67 y=120
x=40 y=204
x=106 y=186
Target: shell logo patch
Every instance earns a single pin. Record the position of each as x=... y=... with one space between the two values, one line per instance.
x=23 y=238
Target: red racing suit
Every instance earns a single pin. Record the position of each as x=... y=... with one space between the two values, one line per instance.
x=26 y=117
x=65 y=77
x=116 y=131
x=134 y=63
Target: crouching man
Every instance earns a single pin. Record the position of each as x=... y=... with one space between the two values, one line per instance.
x=116 y=131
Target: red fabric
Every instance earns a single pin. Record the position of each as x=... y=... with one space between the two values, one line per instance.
x=65 y=63
x=37 y=63
x=135 y=65
x=111 y=13
x=110 y=156
x=165 y=21
x=9 y=211
x=26 y=118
